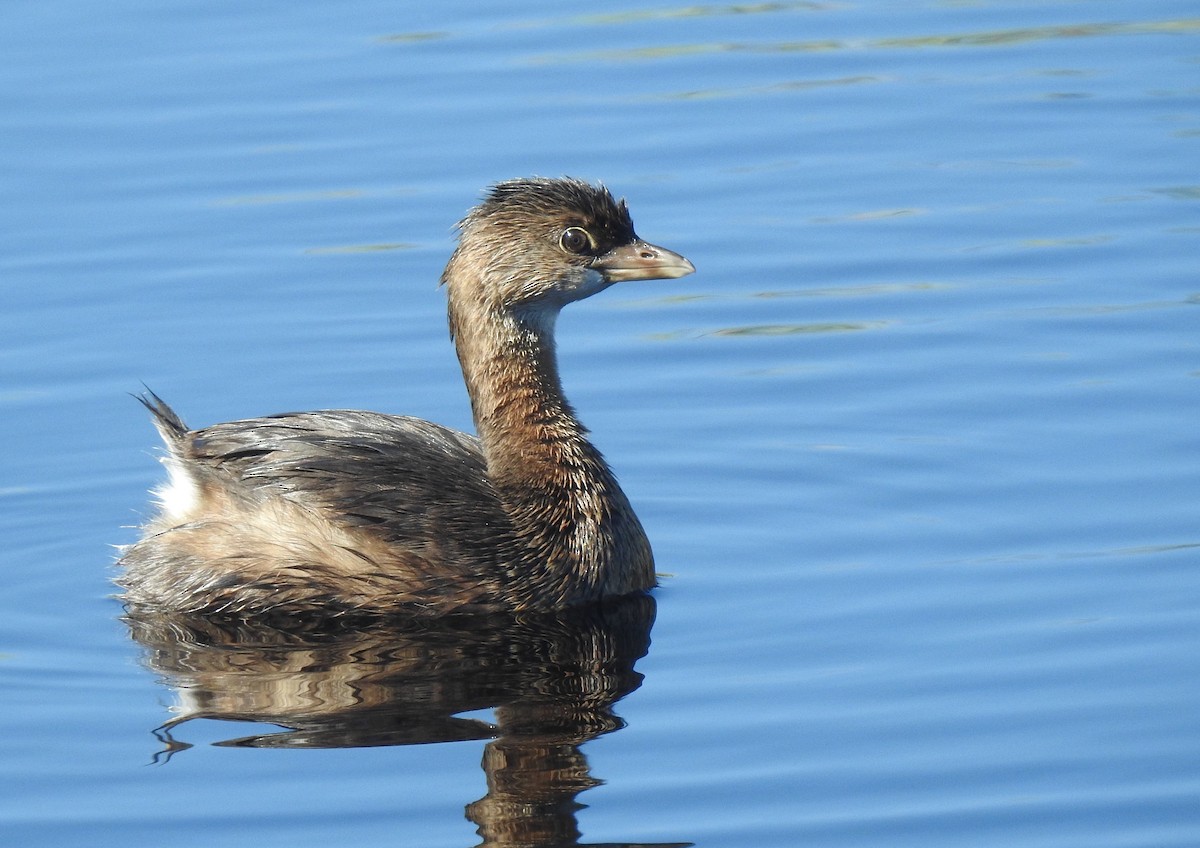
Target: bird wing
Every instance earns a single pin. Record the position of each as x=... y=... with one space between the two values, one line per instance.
x=409 y=482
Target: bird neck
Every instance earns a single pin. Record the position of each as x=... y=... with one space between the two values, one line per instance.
x=572 y=520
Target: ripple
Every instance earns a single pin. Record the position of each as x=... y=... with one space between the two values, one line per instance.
x=412 y=37
x=790 y=329
x=985 y=38
x=776 y=88
x=360 y=248
x=1047 y=33
x=870 y=215
x=811 y=328
x=705 y=11
x=1184 y=192
x=291 y=197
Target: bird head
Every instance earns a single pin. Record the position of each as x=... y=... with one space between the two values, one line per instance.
x=533 y=245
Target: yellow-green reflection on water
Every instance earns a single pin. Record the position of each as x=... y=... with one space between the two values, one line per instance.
x=988 y=38
x=775 y=88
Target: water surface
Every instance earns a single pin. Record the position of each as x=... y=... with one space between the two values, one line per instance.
x=915 y=446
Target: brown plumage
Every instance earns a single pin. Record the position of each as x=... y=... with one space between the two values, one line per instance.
x=347 y=511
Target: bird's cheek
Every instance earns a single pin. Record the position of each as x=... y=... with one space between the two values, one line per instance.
x=587 y=282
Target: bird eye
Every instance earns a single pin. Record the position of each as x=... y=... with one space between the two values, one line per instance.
x=575 y=240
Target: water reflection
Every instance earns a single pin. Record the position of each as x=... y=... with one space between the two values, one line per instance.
x=552 y=681
x=982 y=38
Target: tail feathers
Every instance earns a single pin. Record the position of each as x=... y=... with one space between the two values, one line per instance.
x=180 y=497
x=166 y=420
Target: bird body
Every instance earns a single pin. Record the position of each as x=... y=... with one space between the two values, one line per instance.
x=343 y=511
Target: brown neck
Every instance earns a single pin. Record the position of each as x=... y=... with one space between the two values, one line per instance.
x=580 y=536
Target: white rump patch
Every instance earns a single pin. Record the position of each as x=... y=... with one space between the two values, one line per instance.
x=179 y=497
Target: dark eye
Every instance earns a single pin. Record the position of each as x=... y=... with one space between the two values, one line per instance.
x=575 y=240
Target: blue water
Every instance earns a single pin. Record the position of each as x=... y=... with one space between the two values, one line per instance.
x=916 y=446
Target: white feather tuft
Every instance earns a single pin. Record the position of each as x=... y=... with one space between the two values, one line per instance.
x=179 y=497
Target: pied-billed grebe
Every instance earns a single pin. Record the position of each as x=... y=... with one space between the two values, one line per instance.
x=346 y=511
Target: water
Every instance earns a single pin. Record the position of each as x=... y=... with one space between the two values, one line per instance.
x=916 y=445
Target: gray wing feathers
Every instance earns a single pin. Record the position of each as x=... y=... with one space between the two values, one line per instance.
x=407 y=481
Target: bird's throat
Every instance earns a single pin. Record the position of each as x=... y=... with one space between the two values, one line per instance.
x=565 y=504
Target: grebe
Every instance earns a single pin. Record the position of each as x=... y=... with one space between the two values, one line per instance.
x=343 y=511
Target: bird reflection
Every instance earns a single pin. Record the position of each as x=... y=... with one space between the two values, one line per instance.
x=550 y=679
